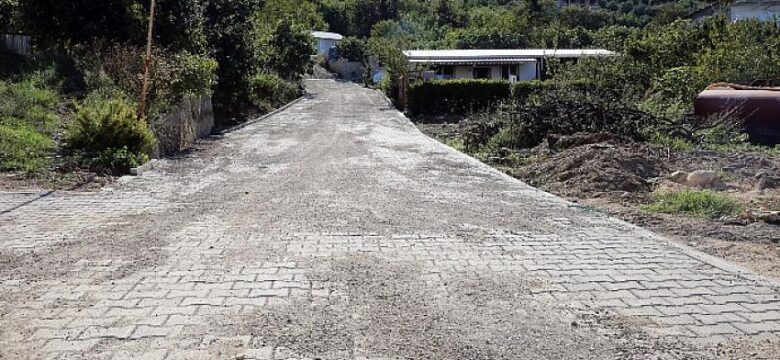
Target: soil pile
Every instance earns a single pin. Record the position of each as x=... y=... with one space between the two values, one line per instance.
x=583 y=168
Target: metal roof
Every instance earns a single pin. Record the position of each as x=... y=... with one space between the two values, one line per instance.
x=326 y=35
x=493 y=61
x=756 y=2
x=433 y=56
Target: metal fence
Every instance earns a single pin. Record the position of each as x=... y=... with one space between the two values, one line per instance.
x=18 y=44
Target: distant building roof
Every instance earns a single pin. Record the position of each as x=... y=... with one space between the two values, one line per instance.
x=326 y=35
x=472 y=61
x=497 y=56
x=723 y=7
x=756 y=1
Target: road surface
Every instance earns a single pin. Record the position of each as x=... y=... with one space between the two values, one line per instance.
x=336 y=230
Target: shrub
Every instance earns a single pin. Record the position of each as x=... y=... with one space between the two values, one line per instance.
x=455 y=96
x=523 y=91
x=99 y=128
x=269 y=91
x=172 y=77
x=118 y=161
x=702 y=204
x=569 y=112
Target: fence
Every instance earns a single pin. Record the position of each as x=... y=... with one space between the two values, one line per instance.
x=18 y=44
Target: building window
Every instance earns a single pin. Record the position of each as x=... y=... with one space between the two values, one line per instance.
x=482 y=73
x=445 y=72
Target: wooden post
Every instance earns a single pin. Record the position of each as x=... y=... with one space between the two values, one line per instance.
x=147 y=63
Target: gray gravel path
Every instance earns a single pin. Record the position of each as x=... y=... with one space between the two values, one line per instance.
x=336 y=230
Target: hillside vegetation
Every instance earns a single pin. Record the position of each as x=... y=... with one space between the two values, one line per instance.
x=84 y=79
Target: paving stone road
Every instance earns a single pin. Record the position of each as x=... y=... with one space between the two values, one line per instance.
x=336 y=230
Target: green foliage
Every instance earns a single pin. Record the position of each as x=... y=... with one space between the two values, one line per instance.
x=568 y=112
x=9 y=16
x=101 y=125
x=287 y=49
x=117 y=160
x=303 y=12
x=232 y=35
x=742 y=52
x=179 y=23
x=172 y=76
x=455 y=96
x=269 y=91
x=353 y=49
x=700 y=204
x=456 y=144
x=28 y=120
x=524 y=91
x=55 y=22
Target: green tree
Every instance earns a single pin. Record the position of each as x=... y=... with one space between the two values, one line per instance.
x=353 y=49
x=56 y=22
x=231 y=36
x=447 y=14
x=288 y=49
x=9 y=15
x=742 y=52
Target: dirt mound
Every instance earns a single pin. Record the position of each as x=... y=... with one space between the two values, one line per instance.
x=595 y=169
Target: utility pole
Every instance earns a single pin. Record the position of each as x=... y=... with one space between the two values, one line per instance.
x=147 y=63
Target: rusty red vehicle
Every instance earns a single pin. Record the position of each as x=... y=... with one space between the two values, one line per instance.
x=757 y=105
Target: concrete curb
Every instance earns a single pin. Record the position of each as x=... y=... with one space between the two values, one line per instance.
x=263 y=117
x=138 y=171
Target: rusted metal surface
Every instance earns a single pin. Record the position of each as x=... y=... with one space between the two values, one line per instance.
x=759 y=107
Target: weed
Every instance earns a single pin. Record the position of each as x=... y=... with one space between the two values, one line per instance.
x=456 y=144
x=700 y=204
x=28 y=120
x=23 y=148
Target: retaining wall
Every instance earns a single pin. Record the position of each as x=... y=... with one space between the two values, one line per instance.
x=191 y=119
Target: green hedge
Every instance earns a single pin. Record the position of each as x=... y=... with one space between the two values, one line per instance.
x=447 y=97
x=441 y=97
x=524 y=90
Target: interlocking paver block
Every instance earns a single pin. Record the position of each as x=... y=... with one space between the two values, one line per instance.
x=117 y=332
x=253 y=224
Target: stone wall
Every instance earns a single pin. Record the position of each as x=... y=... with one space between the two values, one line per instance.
x=191 y=119
x=348 y=70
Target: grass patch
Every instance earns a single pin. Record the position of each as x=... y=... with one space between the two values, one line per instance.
x=456 y=144
x=709 y=144
x=28 y=121
x=700 y=204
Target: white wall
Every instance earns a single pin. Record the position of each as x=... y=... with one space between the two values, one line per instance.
x=495 y=72
x=324 y=45
x=527 y=71
x=464 y=72
x=764 y=12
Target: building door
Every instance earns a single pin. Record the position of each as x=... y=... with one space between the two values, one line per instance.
x=505 y=72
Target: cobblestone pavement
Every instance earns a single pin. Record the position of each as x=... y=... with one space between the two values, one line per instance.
x=336 y=230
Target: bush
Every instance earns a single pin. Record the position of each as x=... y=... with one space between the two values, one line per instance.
x=118 y=161
x=269 y=91
x=172 y=75
x=523 y=91
x=441 y=97
x=109 y=129
x=702 y=204
x=563 y=112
